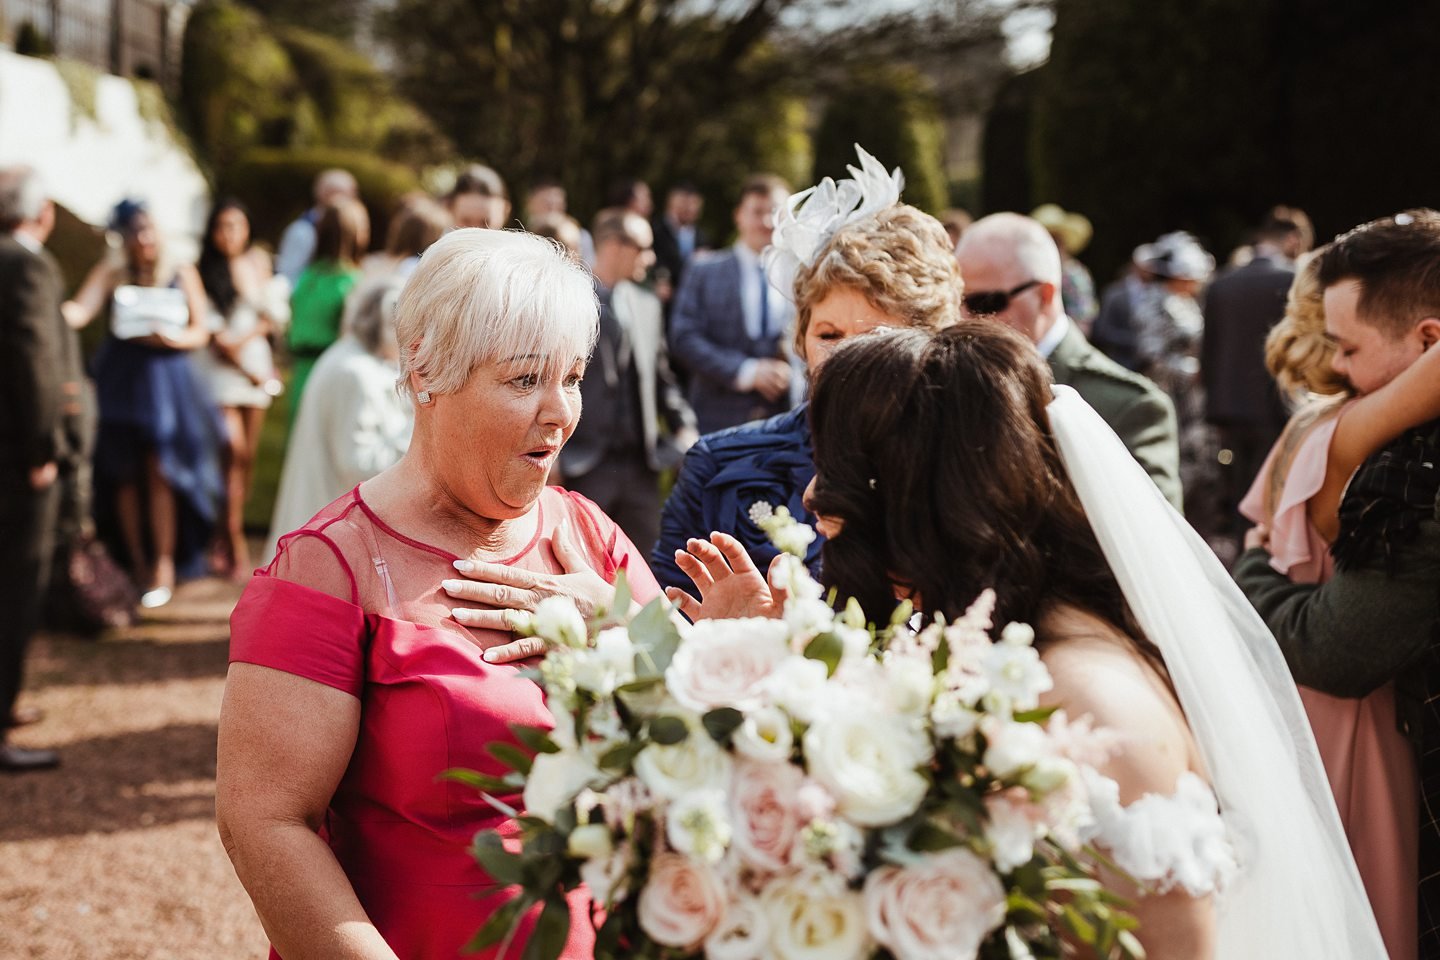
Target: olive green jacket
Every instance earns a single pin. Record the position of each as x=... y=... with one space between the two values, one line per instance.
x=1137 y=410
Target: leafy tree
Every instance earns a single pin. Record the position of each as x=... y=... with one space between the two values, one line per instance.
x=595 y=90
x=1156 y=115
x=891 y=112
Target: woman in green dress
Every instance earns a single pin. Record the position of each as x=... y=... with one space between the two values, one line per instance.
x=317 y=304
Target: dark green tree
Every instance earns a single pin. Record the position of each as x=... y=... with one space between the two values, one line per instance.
x=1156 y=115
x=891 y=112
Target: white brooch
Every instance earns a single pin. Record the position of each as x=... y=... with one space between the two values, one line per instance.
x=807 y=221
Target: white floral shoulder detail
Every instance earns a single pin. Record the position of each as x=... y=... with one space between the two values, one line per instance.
x=1165 y=841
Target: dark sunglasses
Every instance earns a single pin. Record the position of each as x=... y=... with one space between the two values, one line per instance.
x=997 y=301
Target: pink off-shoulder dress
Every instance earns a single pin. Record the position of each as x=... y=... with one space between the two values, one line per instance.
x=1370 y=764
x=428 y=703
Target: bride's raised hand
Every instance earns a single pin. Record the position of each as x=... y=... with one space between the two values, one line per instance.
x=729 y=583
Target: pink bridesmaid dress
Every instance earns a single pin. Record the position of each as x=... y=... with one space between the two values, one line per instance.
x=1370 y=764
x=428 y=703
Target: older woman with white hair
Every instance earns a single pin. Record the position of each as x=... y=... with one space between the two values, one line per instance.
x=355 y=680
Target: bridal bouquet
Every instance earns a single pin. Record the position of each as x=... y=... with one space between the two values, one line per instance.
x=805 y=788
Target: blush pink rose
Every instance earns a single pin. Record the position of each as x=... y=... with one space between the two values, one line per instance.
x=682 y=903
x=763 y=812
x=941 y=908
x=723 y=663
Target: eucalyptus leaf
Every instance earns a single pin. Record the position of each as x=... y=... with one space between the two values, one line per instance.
x=1039 y=715
x=721 y=723
x=620 y=757
x=620 y=606
x=655 y=637
x=668 y=731
x=536 y=739
x=501 y=923
x=511 y=755
x=503 y=866
x=929 y=837
x=828 y=649
x=551 y=931
x=479 y=781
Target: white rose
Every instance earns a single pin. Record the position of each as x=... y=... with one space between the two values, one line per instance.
x=1012 y=747
x=682 y=903
x=696 y=763
x=697 y=825
x=590 y=841
x=940 y=908
x=910 y=683
x=797 y=686
x=1017 y=675
x=869 y=761
x=744 y=933
x=814 y=921
x=724 y=663
x=557 y=621
x=765 y=735
x=763 y=812
x=554 y=780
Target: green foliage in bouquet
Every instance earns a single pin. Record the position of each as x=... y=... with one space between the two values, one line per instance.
x=740 y=788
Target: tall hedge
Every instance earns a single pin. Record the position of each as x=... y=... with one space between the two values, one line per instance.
x=276 y=184
x=1155 y=115
x=891 y=112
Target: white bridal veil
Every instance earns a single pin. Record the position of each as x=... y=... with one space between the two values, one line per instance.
x=1297 y=893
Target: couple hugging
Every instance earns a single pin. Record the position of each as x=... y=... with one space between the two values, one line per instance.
x=375 y=651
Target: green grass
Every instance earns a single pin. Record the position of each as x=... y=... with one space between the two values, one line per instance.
x=268 y=461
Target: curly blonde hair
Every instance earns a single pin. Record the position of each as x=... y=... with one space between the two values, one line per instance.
x=899 y=259
x=1297 y=352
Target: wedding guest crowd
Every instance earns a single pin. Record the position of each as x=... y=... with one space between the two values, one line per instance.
x=1309 y=383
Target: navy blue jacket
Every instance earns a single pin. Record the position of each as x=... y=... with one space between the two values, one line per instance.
x=722 y=476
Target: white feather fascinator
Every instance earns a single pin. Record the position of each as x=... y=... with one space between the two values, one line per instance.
x=807 y=221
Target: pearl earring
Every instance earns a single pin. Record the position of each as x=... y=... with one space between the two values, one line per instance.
x=423 y=396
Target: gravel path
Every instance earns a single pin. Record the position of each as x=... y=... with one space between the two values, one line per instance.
x=114 y=856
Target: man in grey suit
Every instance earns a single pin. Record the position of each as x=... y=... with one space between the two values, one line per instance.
x=37 y=352
x=1241 y=398
x=617 y=451
x=1011 y=268
x=729 y=327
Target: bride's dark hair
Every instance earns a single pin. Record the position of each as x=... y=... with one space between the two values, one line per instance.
x=935 y=450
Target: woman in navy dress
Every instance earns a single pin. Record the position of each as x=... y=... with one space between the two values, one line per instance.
x=157 y=474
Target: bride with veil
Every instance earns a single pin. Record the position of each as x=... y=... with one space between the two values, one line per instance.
x=948 y=464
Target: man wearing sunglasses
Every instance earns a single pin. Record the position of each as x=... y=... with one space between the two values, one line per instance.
x=1011 y=268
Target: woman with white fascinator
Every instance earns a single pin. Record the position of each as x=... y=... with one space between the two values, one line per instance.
x=854 y=258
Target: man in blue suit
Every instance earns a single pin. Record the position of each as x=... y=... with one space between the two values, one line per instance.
x=730 y=327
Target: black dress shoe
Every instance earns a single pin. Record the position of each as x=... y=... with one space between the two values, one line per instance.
x=19 y=760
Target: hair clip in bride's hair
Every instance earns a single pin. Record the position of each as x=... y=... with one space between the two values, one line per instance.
x=871 y=481
x=807 y=221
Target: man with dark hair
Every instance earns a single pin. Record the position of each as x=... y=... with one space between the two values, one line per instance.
x=633 y=194
x=38 y=353
x=479 y=198
x=1241 y=398
x=730 y=328
x=1378 y=619
x=678 y=236
x=617 y=452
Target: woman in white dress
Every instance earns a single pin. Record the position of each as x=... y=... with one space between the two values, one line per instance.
x=945 y=466
x=352 y=422
x=247 y=305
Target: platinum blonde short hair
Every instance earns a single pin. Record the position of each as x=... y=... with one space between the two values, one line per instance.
x=479 y=296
